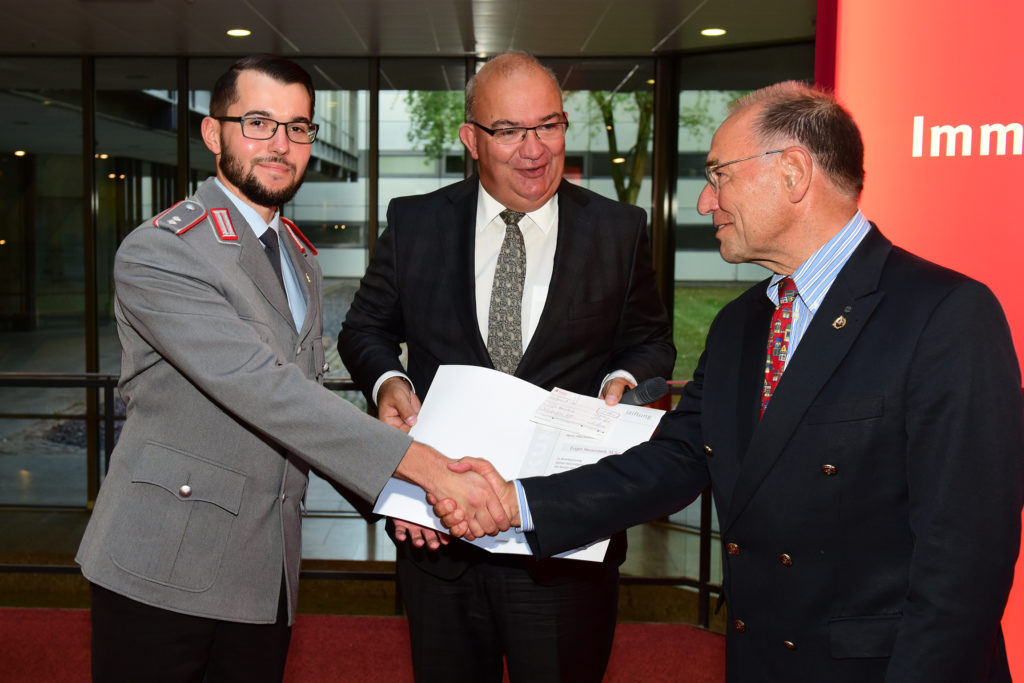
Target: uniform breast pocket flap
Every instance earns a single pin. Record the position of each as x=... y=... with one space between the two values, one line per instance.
x=177 y=518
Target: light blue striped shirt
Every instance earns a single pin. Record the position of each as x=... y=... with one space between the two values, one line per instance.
x=813 y=279
x=815 y=276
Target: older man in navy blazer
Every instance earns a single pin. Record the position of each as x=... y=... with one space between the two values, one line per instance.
x=586 y=318
x=867 y=465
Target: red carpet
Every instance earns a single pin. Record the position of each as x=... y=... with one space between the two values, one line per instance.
x=43 y=645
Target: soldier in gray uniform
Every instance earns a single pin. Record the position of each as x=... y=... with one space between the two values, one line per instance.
x=193 y=548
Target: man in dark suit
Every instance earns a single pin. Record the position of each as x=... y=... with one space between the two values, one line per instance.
x=584 y=316
x=192 y=551
x=870 y=517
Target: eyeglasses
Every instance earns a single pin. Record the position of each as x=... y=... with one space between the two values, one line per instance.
x=262 y=128
x=710 y=172
x=513 y=135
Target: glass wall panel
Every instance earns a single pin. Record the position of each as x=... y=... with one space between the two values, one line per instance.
x=421 y=107
x=610 y=105
x=136 y=164
x=42 y=276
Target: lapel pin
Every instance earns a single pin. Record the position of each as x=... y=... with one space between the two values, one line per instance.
x=307 y=279
x=839 y=323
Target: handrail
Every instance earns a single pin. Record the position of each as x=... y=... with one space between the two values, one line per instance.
x=109 y=415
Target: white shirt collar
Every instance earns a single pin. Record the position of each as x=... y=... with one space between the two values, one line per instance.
x=488 y=208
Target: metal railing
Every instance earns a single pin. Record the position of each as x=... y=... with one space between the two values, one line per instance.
x=107 y=415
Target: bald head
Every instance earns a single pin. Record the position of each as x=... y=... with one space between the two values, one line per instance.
x=505 y=65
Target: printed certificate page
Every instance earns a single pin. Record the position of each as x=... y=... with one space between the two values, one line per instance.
x=520 y=428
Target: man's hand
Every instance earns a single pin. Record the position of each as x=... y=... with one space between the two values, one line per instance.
x=470 y=493
x=396 y=404
x=419 y=536
x=614 y=389
x=455 y=519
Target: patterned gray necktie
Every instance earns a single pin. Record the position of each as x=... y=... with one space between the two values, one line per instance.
x=504 y=322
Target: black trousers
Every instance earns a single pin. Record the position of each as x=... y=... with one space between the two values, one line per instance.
x=461 y=628
x=134 y=642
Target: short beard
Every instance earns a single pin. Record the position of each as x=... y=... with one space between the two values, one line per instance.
x=250 y=186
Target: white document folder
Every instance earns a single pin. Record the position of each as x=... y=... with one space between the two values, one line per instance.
x=520 y=428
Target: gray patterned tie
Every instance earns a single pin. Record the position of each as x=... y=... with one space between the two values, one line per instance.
x=504 y=322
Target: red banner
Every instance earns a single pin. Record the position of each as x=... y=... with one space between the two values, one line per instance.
x=935 y=86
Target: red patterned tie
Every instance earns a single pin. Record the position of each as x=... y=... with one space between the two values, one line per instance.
x=778 y=339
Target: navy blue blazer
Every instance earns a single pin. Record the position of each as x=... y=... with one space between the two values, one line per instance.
x=871 y=520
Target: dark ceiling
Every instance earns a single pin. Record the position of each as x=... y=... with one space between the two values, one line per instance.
x=565 y=28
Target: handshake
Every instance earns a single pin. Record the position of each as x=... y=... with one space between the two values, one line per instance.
x=469 y=496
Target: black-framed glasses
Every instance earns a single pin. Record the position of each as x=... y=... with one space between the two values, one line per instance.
x=513 y=135
x=710 y=172
x=262 y=128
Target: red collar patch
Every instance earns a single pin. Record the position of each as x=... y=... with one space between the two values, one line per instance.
x=222 y=224
x=298 y=237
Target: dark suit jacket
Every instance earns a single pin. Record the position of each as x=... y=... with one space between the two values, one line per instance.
x=602 y=312
x=870 y=521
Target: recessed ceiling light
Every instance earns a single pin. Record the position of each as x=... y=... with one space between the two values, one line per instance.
x=713 y=32
x=650 y=81
x=19 y=153
x=239 y=32
x=619 y=160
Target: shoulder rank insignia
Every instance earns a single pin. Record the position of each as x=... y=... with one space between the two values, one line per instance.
x=222 y=225
x=300 y=240
x=180 y=217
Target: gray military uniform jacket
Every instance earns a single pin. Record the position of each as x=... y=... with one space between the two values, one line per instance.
x=199 y=511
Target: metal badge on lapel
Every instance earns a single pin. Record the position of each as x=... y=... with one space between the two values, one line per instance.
x=840 y=322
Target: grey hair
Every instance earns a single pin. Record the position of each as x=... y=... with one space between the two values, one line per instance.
x=792 y=111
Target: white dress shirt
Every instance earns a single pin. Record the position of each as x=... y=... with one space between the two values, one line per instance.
x=540 y=237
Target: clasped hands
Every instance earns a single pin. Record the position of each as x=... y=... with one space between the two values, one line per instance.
x=399 y=406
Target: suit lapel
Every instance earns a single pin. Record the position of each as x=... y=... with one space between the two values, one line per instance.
x=253 y=260
x=571 y=255
x=853 y=297
x=751 y=371
x=456 y=226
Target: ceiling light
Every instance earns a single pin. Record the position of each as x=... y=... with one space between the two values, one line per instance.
x=19 y=153
x=650 y=81
x=713 y=32
x=239 y=32
x=619 y=160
